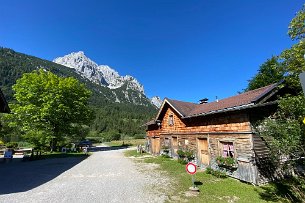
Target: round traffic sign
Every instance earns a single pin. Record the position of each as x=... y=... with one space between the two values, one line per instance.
x=191 y=168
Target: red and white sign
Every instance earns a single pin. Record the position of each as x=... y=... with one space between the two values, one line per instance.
x=191 y=168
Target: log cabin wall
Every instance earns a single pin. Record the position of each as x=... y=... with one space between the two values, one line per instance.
x=230 y=122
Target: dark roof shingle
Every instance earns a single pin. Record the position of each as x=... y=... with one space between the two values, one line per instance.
x=188 y=109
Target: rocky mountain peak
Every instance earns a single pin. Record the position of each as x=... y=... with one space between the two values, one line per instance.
x=156 y=101
x=100 y=74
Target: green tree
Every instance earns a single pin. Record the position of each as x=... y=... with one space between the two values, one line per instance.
x=269 y=72
x=284 y=132
x=50 y=109
x=293 y=62
x=293 y=59
x=296 y=29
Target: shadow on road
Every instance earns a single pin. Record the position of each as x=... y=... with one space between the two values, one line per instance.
x=18 y=176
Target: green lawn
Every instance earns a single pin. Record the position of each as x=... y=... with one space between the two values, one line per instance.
x=131 y=142
x=212 y=189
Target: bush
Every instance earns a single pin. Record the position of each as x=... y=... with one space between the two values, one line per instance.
x=226 y=161
x=13 y=145
x=187 y=154
x=218 y=174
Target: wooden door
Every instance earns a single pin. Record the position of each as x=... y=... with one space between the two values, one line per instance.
x=202 y=151
x=155 y=145
x=174 y=145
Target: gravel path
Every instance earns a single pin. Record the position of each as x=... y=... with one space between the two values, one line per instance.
x=105 y=176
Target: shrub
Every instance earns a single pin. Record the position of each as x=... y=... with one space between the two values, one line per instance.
x=218 y=174
x=181 y=153
x=11 y=145
x=226 y=161
x=187 y=154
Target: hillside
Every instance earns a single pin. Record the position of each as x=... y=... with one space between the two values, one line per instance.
x=125 y=116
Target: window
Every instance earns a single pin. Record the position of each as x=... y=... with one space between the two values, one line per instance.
x=171 y=120
x=227 y=149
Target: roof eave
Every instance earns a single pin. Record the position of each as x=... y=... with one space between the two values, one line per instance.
x=268 y=91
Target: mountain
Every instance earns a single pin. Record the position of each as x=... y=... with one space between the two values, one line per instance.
x=156 y=101
x=99 y=74
x=123 y=108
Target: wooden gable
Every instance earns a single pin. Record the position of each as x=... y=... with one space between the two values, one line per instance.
x=171 y=120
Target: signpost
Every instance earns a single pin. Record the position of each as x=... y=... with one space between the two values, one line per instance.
x=191 y=169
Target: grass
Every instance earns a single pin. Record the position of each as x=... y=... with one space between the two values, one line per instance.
x=133 y=153
x=131 y=142
x=212 y=189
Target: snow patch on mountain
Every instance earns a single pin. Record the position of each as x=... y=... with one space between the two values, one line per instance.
x=100 y=74
x=156 y=101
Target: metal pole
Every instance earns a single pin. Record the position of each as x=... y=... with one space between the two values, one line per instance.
x=193 y=181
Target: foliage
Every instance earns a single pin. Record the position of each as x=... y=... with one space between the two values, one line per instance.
x=124 y=118
x=293 y=62
x=188 y=155
x=290 y=189
x=13 y=145
x=49 y=109
x=269 y=72
x=185 y=156
x=216 y=173
x=296 y=29
x=285 y=133
x=227 y=161
x=110 y=136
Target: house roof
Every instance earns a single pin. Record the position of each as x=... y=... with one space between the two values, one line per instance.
x=244 y=100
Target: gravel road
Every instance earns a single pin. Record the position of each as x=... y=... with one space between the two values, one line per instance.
x=105 y=176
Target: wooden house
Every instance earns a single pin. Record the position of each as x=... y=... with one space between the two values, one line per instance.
x=223 y=128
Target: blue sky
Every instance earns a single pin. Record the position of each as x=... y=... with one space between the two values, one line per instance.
x=184 y=50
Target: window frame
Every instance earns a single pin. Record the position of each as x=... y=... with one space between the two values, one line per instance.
x=171 y=120
x=222 y=150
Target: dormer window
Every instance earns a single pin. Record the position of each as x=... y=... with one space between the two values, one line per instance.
x=171 y=120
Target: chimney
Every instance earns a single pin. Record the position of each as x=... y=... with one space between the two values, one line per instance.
x=203 y=101
x=216 y=99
